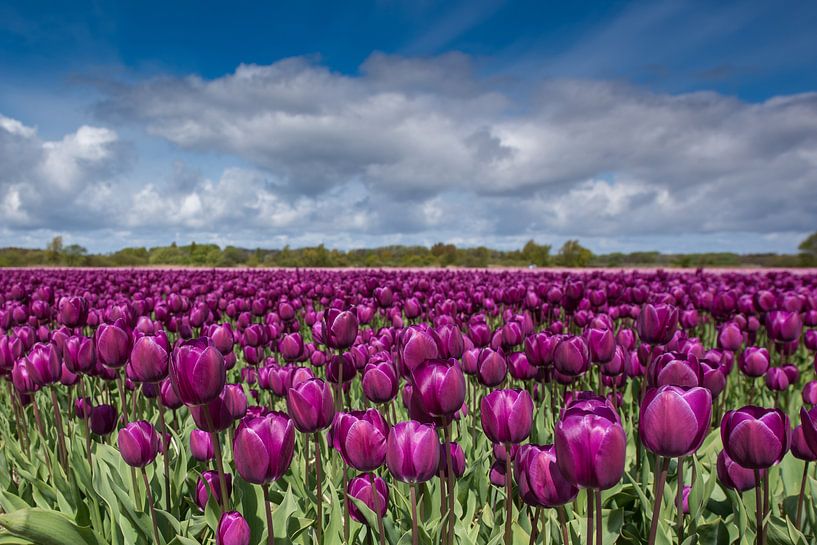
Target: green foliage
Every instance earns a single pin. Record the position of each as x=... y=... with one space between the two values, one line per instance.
x=571 y=254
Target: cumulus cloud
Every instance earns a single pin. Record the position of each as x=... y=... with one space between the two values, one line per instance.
x=44 y=184
x=416 y=150
x=572 y=156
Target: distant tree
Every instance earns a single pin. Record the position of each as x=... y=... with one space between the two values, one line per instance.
x=536 y=254
x=573 y=254
x=808 y=250
x=53 y=250
x=74 y=255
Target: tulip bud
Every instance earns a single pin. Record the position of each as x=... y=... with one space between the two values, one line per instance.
x=754 y=362
x=372 y=491
x=730 y=337
x=810 y=392
x=340 y=328
x=808 y=419
x=380 y=382
x=263 y=447
x=541 y=482
x=103 y=419
x=208 y=485
x=457 y=460
x=657 y=323
x=784 y=326
x=673 y=368
x=674 y=422
x=149 y=358
x=571 y=356
x=754 y=437
x=79 y=354
x=201 y=445
x=138 y=443
x=800 y=447
x=197 y=371
x=601 y=343
x=72 y=311
x=420 y=345
x=44 y=365
x=439 y=386
x=215 y=416
x=292 y=348
x=507 y=415
x=591 y=446
x=492 y=367
x=233 y=530
x=360 y=437
x=311 y=405
x=412 y=452
x=733 y=475
x=113 y=344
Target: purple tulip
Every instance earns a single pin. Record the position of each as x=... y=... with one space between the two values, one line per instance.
x=590 y=446
x=657 y=323
x=754 y=362
x=733 y=475
x=420 y=345
x=808 y=419
x=754 y=437
x=507 y=416
x=439 y=387
x=233 y=530
x=674 y=422
x=222 y=337
x=72 y=311
x=457 y=460
x=103 y=419
x=79 y=354
x=360 y=437
x=492 y=367
x=412 y=452
x=601 y=343
x=541 y=482
x=208 y=485
x=372 y=491
x=311 y=405
x=810 y=392
x=673 y=368
x=263 y=447
x=292 y=348
x=201 y=446
x=730 y=337
x=83 y=407
x=784 y=326
x=571 y=356
x=214 y=416
x=44 y=365
x=149 y=358
x=170 y=400
x=113 y=344
x=197 y=371
x=138 y=443
x=380 y=382
x=800 y=447
x=340 y=328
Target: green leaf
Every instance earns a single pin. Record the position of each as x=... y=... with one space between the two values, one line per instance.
x=48 y=528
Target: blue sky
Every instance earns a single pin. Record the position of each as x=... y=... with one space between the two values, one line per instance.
x=675 y=125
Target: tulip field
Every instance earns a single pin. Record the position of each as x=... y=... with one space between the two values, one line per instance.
x=236 y=407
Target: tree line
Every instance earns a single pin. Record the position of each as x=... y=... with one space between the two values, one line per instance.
x=570 y=254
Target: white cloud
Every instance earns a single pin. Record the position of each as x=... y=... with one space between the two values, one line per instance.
x=419 y=150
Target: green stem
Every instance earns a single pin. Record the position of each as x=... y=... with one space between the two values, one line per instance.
x=149 y=495
x=659 y=496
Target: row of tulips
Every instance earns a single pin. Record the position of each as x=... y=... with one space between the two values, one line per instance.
x=450 y=407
